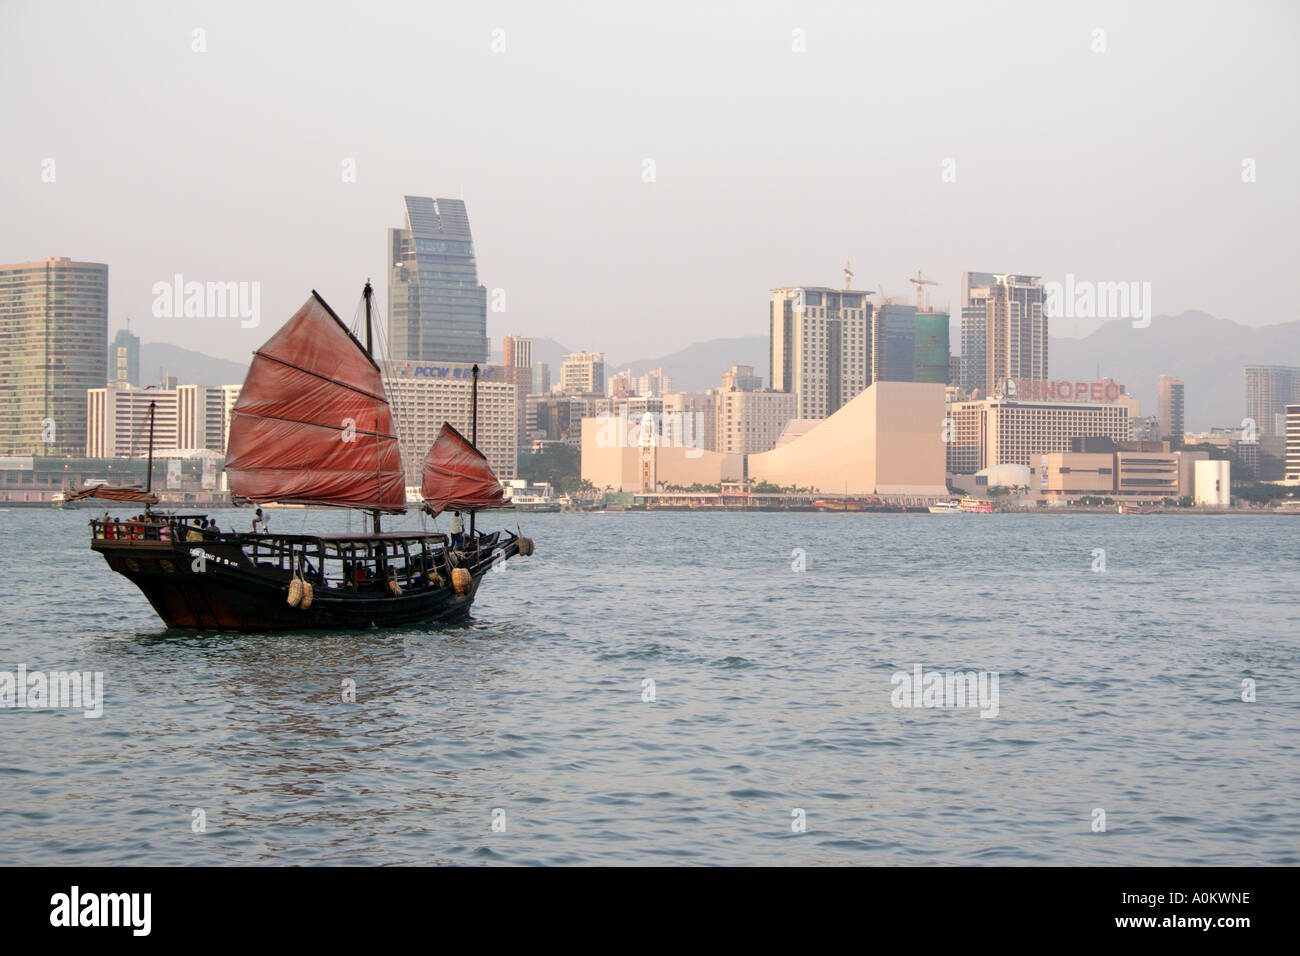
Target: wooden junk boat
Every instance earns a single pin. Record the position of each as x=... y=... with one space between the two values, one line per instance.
x=313 y=426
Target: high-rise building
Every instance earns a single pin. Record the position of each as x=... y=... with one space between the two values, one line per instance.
x=997 y=432
x=423 y=397
x=517 y=352
x=583 y=372
x=437 y=311
x=690 y=419
x=933 y=362
x=820 y=346
x=621 y=384
x=186 y=418
x=1015 y=331
x=751 y=422
x=1292 y=459
x=53 y=347
x=974 y=328
x=741 y=378
x=1269 y=390
x=117 y=417
x=124 y=358
x=517 y=357
x=1169 y=408
x=541 y=379
x=893 y=343
x=656 y=382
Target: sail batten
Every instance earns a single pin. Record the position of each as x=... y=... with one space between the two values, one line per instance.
x=312 y=424
x=457 y=477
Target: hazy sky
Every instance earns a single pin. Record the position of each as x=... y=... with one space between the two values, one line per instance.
x=772 y=166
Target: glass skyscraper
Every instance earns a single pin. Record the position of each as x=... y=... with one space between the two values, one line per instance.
x=893 y=343
x=931 y=347
x=437 y=311
x=53 y=348
x=124 y=358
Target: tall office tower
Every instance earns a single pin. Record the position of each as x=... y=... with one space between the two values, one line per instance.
x=974 y=328
x=820 y=346
x=1170 y=408
x=1269 y=390
x=124 y=357
x=930 y=348
x=741 y=378
x=541 y=378
x=954 y=369
x=53 y=347
x=517 y=352
x=517 y=357
x=1016 y=336
x=1292 y=451
x=583 y=372
x=893 y=343
x=437 y=311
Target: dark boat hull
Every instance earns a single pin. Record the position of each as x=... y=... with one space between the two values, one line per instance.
x=228 y=593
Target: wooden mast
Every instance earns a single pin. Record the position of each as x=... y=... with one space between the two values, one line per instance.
x=148 y=472
x=473 y=431
x=366 y=293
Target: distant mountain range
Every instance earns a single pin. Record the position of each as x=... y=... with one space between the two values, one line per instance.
x=158 y=359
x=1206 y=353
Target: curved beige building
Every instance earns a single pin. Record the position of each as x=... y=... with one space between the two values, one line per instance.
x=888 y=441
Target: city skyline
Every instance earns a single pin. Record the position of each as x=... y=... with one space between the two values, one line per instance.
x=561 y=203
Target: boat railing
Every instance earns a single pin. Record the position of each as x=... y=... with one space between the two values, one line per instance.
x=150 y=528
x=363 y=563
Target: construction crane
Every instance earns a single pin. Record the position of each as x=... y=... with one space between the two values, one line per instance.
x=920 y=280
x=848 y=274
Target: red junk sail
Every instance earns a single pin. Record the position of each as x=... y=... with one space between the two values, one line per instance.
x=457 y=476
x=312 y=424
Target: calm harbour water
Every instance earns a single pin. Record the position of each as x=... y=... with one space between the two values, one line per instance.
x=1119 y=690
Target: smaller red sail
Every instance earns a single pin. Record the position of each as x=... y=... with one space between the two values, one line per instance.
x=457 y=477
x=114 y=494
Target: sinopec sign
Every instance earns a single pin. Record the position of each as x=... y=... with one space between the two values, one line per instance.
x=1063 y=390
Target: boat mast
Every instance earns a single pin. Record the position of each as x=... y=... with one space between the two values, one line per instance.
x=473 y=431
x=148 y=472
x=366 y=294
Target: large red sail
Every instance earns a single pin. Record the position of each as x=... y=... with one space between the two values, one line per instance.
x=312 y=424
x=457 y=476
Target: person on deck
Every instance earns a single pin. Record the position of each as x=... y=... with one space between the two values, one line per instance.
x=457 y=530
x=259 y=519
